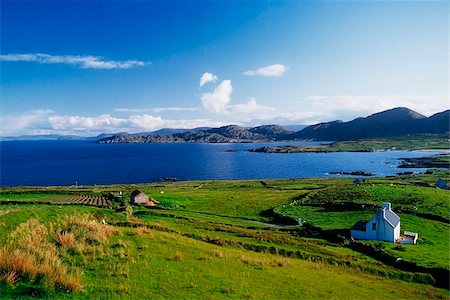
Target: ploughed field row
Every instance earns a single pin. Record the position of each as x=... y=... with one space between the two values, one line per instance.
x=83 y=199
x=91 y=200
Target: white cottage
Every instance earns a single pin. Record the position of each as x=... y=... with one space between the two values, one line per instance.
x=384 y=226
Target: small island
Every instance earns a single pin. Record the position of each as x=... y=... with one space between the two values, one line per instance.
x=353 y=173
x=441 y=161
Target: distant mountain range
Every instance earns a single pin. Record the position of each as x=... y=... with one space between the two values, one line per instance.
x=225 y=134
x=394 y=122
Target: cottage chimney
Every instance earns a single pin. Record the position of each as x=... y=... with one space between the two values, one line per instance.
x=386 y=205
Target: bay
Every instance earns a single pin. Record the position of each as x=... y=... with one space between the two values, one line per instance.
x=36 y=163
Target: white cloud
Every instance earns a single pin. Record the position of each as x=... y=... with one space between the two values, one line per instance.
x=175 y=108
x=30 y=120
x=49 y=122
x=82 y=61
x=301 y=118
x=270 y=71
x=207 y=77
x=156 y=109
x=218 y=100
x=132 y=110
x=149 y=122
x=250 y=107
x=311 y=110
x=78 y=123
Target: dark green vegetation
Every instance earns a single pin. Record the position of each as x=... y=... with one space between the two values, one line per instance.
x=222 y=239
x=420 y=142
x=436 y=161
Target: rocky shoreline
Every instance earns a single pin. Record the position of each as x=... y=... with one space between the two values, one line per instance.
x=354 y=173
x=303 y=149
x=436 y=161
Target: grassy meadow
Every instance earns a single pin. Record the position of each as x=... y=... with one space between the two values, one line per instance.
x=221 y=239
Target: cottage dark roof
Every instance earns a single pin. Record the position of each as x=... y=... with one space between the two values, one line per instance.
x=360 y=225
x=135 y=193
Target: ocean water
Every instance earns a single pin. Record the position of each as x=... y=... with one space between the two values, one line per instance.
x=80 y=162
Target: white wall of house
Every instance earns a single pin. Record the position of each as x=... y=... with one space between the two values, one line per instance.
x=382 y=230
x=397 y=232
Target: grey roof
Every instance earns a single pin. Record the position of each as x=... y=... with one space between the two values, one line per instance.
x=391 y=217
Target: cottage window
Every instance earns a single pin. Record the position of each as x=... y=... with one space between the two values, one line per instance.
x=374 y=226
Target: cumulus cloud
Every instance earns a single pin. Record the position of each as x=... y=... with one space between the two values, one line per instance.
x=218 y=100
x=78 y=123
x=275 y=70
x=207 y=77
x=82 y=61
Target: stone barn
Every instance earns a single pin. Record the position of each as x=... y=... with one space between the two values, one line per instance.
x=139 y=198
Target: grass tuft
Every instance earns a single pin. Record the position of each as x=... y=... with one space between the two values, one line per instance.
x=31 y=258
x=65 y=239
x=178 y=256
x=218 y=253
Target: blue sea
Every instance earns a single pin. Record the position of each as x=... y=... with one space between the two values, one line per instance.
x=36 y=163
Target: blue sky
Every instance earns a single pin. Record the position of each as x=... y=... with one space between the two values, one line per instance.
x=79 y=67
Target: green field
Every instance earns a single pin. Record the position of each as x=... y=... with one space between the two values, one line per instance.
x=221 y=239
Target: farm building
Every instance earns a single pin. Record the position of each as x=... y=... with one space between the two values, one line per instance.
x=440 y=183
x=384 y=226
x=139 y=198
x=359 y=181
